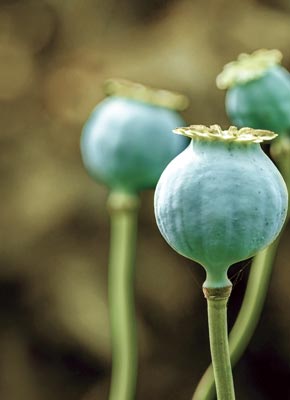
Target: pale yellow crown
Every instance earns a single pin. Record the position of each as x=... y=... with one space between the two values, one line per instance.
x=248 y=67
x=146 y=94
x=232 y=134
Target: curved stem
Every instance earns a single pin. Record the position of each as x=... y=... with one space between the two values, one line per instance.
x=218 y=335
x=123 y=209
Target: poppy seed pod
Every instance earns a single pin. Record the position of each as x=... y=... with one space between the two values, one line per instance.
x=221 y=200
x=126 y=142
x=258 y=92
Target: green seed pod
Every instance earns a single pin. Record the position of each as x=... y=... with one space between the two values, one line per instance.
x=126 y=143
x=221 y=200
x=258 y=91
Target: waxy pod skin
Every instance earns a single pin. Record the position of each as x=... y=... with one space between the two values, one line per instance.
x=221 y=200
x=258 y=91
x=127 y=141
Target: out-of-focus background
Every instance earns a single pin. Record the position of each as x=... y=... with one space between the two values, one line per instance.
x=54 y=334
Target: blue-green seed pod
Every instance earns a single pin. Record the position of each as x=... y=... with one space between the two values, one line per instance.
x=258 y=92
x=221 y=200
x=127 y=141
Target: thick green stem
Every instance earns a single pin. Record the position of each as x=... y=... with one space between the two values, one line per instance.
x=218 y=334
x=123 y=209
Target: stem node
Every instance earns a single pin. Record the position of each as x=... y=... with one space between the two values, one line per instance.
x=217 y=299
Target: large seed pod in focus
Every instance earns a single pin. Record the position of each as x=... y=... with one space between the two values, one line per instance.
x=221 y=200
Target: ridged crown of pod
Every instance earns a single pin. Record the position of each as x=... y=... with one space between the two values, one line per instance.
x=258 y=92
x=221 y=200
x=126 y=142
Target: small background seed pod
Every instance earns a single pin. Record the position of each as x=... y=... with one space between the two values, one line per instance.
x=127 y=141
x=258 y=92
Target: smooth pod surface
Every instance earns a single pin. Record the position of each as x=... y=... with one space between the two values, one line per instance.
x=262 y=103
x=127 y=143
x=218 y=203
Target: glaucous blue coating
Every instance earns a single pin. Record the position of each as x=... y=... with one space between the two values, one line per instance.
x=218 y=203
x=263 y=103
x=127 y=143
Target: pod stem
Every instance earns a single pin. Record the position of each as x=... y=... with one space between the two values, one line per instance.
x=123 y=210
x=217 y=300
x=247 y=319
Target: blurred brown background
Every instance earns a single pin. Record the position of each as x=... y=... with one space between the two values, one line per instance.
x=54 y=335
